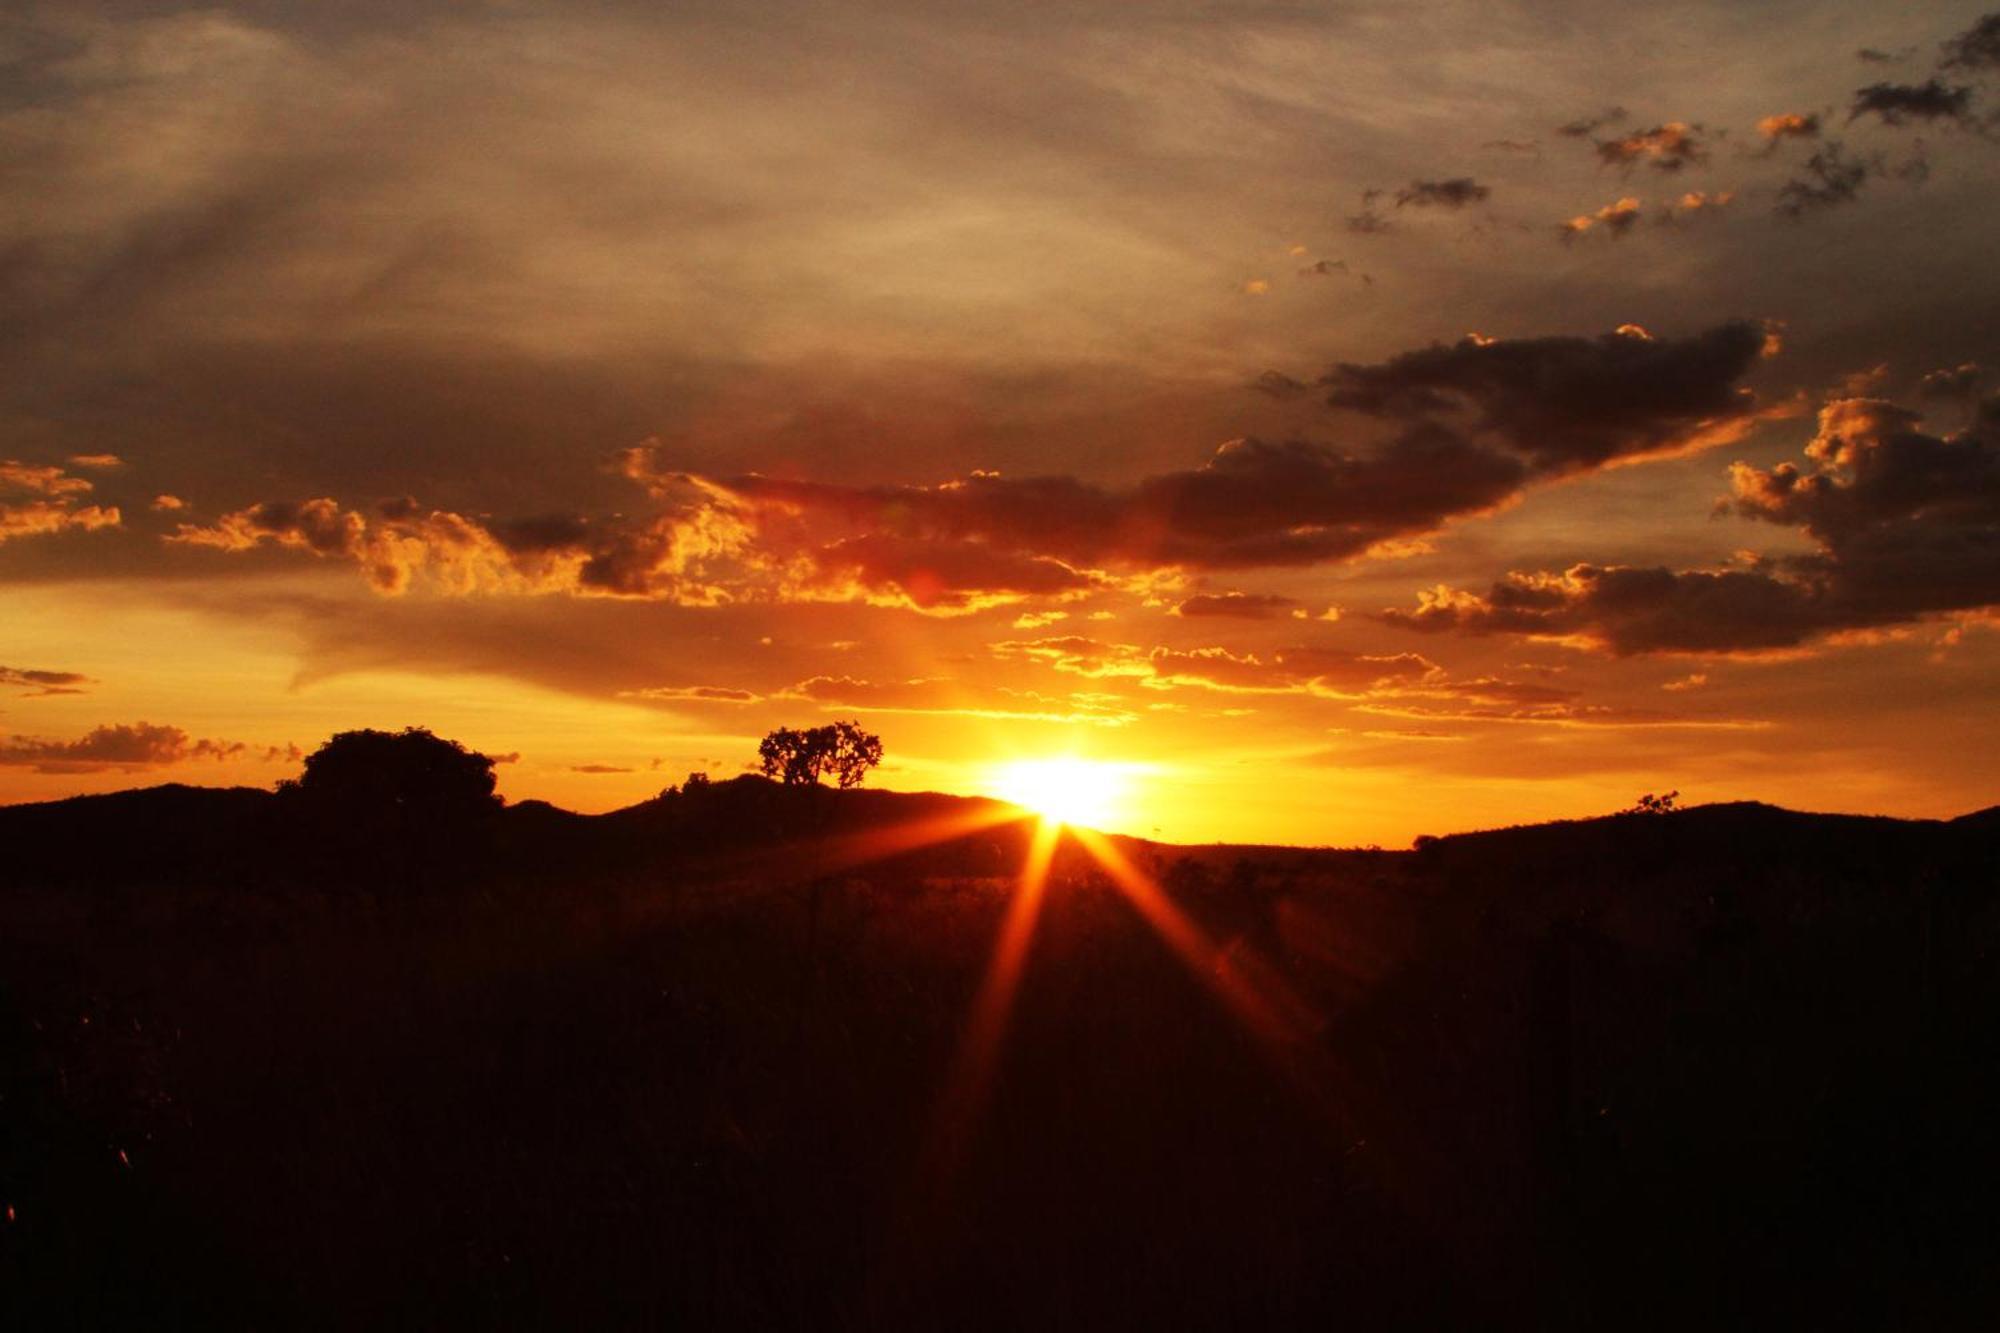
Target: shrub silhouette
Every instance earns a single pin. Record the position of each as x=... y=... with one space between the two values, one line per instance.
x=1649 y=804
x=411 y=775
x=799 y=758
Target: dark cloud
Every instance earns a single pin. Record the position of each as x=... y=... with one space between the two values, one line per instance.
x=129 y=746
x=1241 y=605
x=595 y=769
x=1906 y=524
x=1831 y=178
x=1627 y=610
x=1525 y=146
x=1323 y=268
x=1478 y=420
x=1908 y=521
x=1585 y=126
x=1455 y=193
x=1959 y=382
x=1899 y=103
x=1280 y=385
x=1869 y=55
x=1571 y=403
x=1254 y=503
x=1977 y=48
x=39 y=683
x=1367 y=223
x=1667 y=147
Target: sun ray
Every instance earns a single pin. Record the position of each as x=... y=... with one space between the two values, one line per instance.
x=1258 y=999
x=841 y=852
x=971 y=1078
x=961 y=1102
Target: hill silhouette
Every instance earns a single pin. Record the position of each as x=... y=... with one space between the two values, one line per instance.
x=704 y=1062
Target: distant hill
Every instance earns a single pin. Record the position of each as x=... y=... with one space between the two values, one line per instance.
x=175 y=831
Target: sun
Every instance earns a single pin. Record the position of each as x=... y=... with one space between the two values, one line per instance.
x=1064 y=790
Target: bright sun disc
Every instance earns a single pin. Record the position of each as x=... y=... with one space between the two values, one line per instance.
x=1064 y=791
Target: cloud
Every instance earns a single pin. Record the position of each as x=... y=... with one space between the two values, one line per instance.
x=1956 y=382
x=128 y=746
x=1473 y=424
x=39 y=499
x=1295 y=670
x=1253 y=503
x=40 y=683
x=1977 y=48
x=1404 y=685
x=1908 y=521
x=1446 y=705
x=1616 y=217
x=1280 y=385
x=402 y=543
x=1667 y=147
x=694 y=694
x=1789 y=125
x=1906 y=525
x=1869 y=55
x=952 y=698
x=937 y=575
x=1584 y=127
x=1526 y=146
x=1831 y=179
x=1899 y=103
x=1242 y=605
x=1567 y=404
x=1367 y=223
x=1455 y=193
x=1698 y=202
x=1628 y=610
x=1477 y=421
x=596 y=769
x=1862 y=383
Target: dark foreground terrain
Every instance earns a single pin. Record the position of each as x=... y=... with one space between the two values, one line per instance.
x=688 y=1066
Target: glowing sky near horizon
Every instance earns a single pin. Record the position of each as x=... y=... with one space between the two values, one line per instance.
x=1353 y=421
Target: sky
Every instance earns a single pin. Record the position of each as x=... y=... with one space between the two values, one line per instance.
x=1343 y=422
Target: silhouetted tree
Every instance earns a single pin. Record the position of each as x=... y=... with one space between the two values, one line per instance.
x=1650 y=804
x=411 y=773
x=799 y=758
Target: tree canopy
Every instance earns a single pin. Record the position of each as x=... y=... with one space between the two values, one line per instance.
x=411 y=771
x=801 y=757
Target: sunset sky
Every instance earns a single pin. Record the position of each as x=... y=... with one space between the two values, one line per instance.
x=1351 y=420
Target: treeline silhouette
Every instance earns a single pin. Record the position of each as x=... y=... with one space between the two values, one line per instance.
x=354 y=1054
